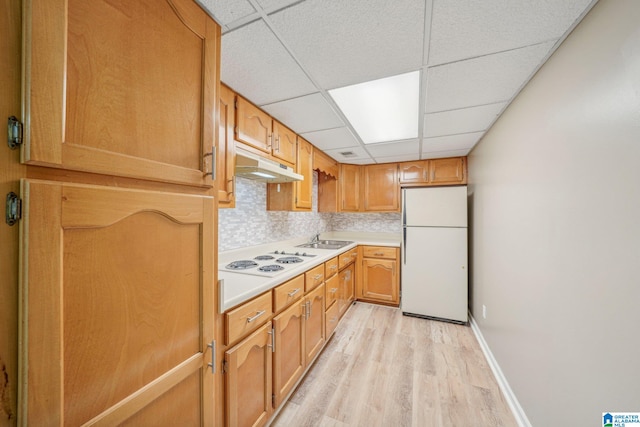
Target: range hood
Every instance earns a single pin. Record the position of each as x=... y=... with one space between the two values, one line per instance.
x=252 y=166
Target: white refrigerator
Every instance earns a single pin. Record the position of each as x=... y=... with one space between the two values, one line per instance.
x=434 y=253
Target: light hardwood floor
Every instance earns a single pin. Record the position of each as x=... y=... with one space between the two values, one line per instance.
x=385 y=369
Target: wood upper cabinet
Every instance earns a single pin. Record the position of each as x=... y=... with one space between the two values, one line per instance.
x=117 y=303
x=379 y=281
x=325 y=164
x=350 y=188
x=126 y=89
x=284 y=146
x=414 y=172
x=289 y=356
x=304 y=166
x=253 y=126
x=294 y=196
x=381 y=188
x=248 y=386
x=314 y=323
x=447 y=171
x=226 y=158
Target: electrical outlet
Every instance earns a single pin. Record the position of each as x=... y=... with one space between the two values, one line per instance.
x=484 y=311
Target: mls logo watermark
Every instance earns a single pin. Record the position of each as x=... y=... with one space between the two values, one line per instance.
x=621 y=419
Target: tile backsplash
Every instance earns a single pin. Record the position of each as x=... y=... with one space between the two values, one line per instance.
x=251 y=224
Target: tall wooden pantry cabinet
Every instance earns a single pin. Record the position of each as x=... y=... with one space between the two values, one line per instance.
x=118 y=227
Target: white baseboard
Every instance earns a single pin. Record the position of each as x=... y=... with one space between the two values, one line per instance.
x=510 y=397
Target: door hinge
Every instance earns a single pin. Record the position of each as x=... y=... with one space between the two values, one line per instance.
x=14 y=133
x=225 y=367
x=14 y=208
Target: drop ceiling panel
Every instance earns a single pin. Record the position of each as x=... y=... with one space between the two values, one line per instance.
x=270 y=5
x=394 y=148
x=461 y=121
x=452 y=142
x=470 y=28
x=359 y=154
x=228 y=11
x=403 y=158
x=484 y=80
x=255 y=64
x=305 y=114
x=345 y=42
x=331 y=138
x=443 y=154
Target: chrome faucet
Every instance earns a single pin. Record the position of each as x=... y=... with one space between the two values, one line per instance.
x=315 y=238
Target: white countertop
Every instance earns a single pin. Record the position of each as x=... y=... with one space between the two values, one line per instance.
x=236 y=288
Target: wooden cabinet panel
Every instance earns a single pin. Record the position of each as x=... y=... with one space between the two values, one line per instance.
x=381 y=188
x=314 y=323
x=246 y=318
x=332 y=317
x=248 y=385
x=285 y=294
x=94 y=309
x=289 y=356
x=314 y=277
x=331 y=267
x=380 y=280
x=327 y=193
x=226 y=158
x=304 y=166
x=332 y=286
x=379 y=252
x=414 y=172
x=350 y=188
x=346 y=294
x=325 y=164
x=285 y=145
x=448 y=171
x=121 y=89
x=253 y=126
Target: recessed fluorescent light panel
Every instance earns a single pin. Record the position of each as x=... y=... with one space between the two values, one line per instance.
x=382 y=110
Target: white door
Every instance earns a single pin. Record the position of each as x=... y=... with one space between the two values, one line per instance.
x=434 y=272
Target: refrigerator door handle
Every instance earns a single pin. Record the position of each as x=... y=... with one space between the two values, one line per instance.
x=404 y=243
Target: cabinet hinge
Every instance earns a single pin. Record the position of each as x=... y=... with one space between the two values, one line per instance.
x=225 y=367
x=236 y=103
x=14 y=133
x=14 y=208
x=273 y=400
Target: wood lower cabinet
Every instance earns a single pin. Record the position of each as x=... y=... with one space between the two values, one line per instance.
x=117 y=304
x=346 y=294
x=289 y=356
x=248 y=385
x=314 y=323
x=379 y=275
x=226 y=157
x=126 y=89
x=381 y=188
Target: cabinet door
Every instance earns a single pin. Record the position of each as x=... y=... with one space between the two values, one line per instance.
x=121 y=88
x=248 y=385
x=350 y=188
x=253 y=126
x=284 y=146
x=347 y=289
x=414 y=172
x=381 y=188
x=304 y=165
x=448 y=171
x=116 y=304
x=314 y=323
x=380 y=280
x=288 y=358
x=226 y=158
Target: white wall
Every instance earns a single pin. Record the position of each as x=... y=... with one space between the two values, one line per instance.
x=555 y=227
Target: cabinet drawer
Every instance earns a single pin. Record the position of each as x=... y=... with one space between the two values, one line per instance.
x=332 y=316
x=332 y=287
x=287 y=293
x=379 y=252
x=313 y=277
x=346 y=259
x=248 y=317
x=331 y=267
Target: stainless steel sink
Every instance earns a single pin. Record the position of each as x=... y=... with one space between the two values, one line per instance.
x=326 y=244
